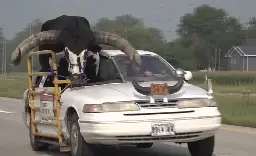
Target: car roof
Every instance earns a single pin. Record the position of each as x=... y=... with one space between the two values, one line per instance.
x=119 y=52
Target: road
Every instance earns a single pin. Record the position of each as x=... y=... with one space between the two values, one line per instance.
x=14 y=139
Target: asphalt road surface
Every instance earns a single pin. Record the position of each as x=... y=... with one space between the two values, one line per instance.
x=14 y=139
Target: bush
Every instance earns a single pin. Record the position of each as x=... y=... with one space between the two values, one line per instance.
x=227 y=77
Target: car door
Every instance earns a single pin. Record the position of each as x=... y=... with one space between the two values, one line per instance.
x=45 y=107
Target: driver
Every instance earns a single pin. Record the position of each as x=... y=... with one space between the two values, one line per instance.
x=138 y=70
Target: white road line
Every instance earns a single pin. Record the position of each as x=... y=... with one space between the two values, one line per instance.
x=10 y=99
x=6 y=112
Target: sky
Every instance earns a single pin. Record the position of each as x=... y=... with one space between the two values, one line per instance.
x=162 y=14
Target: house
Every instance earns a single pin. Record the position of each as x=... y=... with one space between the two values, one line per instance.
x=242 y=58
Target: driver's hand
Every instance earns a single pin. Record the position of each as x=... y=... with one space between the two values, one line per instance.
x=148 y=73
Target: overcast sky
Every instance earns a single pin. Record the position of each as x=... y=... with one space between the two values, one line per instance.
x=163 y=14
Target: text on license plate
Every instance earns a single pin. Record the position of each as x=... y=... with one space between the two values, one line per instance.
x=162 y=129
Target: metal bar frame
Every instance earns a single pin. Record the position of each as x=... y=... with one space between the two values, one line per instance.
x=56 y=93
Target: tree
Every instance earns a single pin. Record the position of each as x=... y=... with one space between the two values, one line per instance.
x=251 y=30
x=208 y=29
x=19 y=37
x=134 y=30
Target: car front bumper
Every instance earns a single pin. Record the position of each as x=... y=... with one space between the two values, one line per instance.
x=186 y=129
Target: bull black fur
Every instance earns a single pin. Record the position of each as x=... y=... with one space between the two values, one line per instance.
x=75 y=34
x=90 y=71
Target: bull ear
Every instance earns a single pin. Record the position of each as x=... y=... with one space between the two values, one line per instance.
x=82 y=54
x=66 y=52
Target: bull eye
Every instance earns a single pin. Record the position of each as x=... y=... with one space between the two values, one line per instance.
x=66 y=53
x=78 y=61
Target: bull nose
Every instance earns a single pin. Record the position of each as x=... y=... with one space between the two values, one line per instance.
x=75 y=76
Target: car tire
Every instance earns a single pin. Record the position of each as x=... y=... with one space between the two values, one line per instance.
x=35 y=144
x=78 y=146
x=144 y=145
x=203 y=147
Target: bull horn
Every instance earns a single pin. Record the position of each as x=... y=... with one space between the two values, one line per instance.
x=31 y=42
x=119 y=43
x=147 y=91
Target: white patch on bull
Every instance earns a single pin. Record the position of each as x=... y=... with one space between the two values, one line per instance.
x=96 y=56
x=82 y=59
x=73 y=60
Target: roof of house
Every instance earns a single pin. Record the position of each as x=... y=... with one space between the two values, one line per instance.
x=248 y=50
x=244 y=50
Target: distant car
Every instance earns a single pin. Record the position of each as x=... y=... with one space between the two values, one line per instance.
x=112 y=112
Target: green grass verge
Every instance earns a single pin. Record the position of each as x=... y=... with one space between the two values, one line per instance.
x=13 y=88
x=234 y=89
x=230 y=88
x=235 y=109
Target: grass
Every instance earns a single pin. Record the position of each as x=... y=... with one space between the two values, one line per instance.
x=13 y=88
x=234 y=89
x=237 y=110
x=230 y=88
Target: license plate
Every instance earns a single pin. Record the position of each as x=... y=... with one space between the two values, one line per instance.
x=46 y=106
x=162 y=129
x=159 y=89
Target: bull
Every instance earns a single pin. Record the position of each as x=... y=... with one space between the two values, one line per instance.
x=73 y=35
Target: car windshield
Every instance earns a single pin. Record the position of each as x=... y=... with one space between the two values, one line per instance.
x=152 y=68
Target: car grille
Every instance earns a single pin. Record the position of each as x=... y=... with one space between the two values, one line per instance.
x=158 y=104
x=150 y=138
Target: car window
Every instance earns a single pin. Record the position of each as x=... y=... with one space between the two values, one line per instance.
x=107 y=69
x=156 y=66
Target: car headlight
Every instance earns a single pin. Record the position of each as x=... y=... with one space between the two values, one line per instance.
x=110 y=107
x=197 y=103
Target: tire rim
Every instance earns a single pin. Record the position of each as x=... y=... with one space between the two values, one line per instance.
x=74 y=138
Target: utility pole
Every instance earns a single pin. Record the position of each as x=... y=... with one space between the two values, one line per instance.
x=78 y=7
x=125 y=30
x=3 y=43
x=219 y=58
x=30 y=33
x=3 y=52
x=215 y=59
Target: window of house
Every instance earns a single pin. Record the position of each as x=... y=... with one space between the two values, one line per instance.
x=233 y=61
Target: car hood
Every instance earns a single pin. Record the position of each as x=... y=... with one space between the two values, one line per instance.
x=125 y=92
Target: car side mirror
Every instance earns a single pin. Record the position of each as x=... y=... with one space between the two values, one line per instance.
x=187 y=75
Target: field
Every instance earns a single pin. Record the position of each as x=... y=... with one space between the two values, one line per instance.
x=13 y=88
x=236 y=109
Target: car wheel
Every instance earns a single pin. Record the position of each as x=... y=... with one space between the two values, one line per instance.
x=144 y=145
x=203 y=147
x=78 y=146
x=35 y=144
